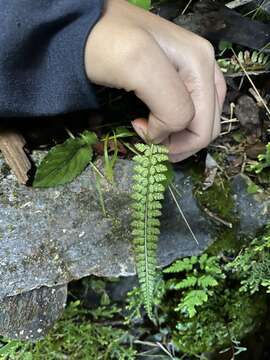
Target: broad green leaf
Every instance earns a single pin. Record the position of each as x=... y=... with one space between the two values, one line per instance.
x=65 y=161
x=145 y=4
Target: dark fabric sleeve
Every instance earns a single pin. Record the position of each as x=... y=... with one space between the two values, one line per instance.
x=42 y=45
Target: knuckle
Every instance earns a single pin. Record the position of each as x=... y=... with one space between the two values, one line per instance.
x=205 y=49
x=208 y=49
x=182 y=118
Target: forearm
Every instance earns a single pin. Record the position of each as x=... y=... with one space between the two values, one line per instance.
x=42 y=56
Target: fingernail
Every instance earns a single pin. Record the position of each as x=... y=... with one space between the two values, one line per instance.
x=138 y=129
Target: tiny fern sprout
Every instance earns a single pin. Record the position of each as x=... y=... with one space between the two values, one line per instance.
x=148 y=190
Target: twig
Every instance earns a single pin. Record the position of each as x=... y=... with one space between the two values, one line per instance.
x=252 y=84
x=250 y=72
x=230 y=120
x=264 y=47
x=70 y=133
x=218 y=219
x=227 y=121
x=97 y=170
x=244 y=163
x=132 y=149
x=183 y=215
x=236 y=3
x=186 y=7
x=165 y=350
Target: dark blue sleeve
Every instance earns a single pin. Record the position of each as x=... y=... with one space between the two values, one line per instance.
x=42 y=44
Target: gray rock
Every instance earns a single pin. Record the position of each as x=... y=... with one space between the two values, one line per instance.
x=50 y=237
x=29 y=316
x=214 y=21
x=253 y=210
x=247 y=112
x=53 y=236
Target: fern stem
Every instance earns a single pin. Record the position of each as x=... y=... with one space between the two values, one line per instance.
x=148 y=291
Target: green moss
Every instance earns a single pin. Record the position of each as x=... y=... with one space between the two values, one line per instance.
x=226 y=241
x=212 y=329
x=218 y=200
x=79 y=335
x=218 y=204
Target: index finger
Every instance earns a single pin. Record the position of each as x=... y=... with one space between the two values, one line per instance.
x=158 y=85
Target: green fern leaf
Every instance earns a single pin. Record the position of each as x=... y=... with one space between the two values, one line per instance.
x=147 y=193
x=186 y=283
x=185 y=264
x=206 y=281
x=191 y=300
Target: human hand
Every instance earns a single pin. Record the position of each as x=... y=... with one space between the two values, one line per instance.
x=172 y=70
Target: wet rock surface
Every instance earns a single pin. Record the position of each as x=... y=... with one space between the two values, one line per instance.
x=50 y=237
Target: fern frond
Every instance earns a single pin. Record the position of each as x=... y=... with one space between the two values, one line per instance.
x=193 y=299
x=186 y=283
x=255 y=61
x=185 y=264
x=147 y=193
x=206 y=281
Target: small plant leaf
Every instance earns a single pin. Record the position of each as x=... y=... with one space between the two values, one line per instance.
x=122 y=132
x=186 y=283
x=145 y=4
x=65 y=161
x=185 y=264
x=193 y=299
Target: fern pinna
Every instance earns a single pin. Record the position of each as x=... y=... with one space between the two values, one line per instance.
x=148 y=191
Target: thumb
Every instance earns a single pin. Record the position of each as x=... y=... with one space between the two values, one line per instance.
x=151 y=130
x=140 y=126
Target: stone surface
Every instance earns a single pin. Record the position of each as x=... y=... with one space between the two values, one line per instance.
x=253 y=210
x=29 y=316
x=216 y=22
x=247 y=112
x=50 y=237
